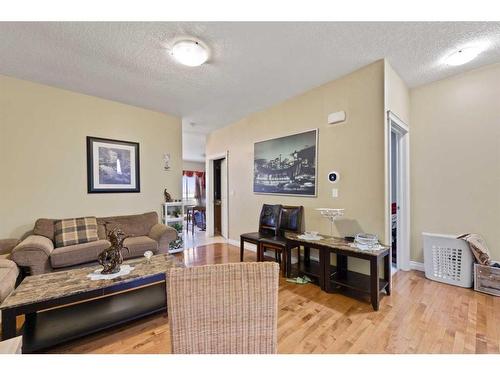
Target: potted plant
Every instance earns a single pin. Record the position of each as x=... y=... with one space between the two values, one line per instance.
x=178 y=242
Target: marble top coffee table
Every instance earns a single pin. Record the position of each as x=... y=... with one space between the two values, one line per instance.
x=64 y=305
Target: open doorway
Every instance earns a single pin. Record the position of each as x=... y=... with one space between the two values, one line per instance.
x=217 y=196
x=398 y=183
x=394 y=198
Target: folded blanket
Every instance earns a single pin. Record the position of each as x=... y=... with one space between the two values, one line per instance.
x=478 y=247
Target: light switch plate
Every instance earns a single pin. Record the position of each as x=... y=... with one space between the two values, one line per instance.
x=335 y=193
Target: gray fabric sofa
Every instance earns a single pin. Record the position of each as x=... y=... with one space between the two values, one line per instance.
x=8 y=277
x=8 y=269
x=38 y=254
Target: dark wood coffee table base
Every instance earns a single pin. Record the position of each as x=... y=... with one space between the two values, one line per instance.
x=52 y=327
x=63 y=319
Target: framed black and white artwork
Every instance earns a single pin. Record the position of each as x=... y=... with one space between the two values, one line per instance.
x=112 y=166
x=287 y=165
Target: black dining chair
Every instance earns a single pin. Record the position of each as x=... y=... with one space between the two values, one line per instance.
x=269 y=222
x=291 y=220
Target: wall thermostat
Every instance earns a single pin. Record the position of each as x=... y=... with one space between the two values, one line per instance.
x=333 y=177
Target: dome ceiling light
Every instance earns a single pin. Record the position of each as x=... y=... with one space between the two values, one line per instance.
x=464 y=55
x=190 y=53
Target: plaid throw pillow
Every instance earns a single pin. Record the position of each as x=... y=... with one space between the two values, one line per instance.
x=74 y=231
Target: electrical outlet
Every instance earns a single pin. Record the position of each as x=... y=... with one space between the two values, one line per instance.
x=335 y=193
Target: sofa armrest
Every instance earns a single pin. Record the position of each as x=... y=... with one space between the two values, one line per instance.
x=163 y=234
x=34 y=252
x=7 y=245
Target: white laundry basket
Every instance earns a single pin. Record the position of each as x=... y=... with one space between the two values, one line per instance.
x=448 y=259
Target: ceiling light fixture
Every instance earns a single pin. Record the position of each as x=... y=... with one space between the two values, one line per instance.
x=464 y=55
x=190 y=52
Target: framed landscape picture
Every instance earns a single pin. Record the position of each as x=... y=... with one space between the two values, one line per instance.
x=112 y=166
x=286 y=165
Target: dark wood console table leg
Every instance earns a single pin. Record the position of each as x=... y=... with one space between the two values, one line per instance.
x=8 y=324
x=307 y=255
x=387 y=273
x=374 y=283
x=341 y=265
x=284 y=262
x=326 y=270
x=324 y=262
x=288 y=261
x=242 y=249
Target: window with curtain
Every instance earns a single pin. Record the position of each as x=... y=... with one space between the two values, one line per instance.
x=193 y=187
x=188 y=187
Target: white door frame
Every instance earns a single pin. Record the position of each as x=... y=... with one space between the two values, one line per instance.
x=224 y=199
x=396 y=125
x=209 y=198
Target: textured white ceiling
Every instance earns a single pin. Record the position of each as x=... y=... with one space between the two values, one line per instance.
x=252 y=65
x=193 y=146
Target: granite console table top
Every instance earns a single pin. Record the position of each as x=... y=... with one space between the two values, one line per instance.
x=54 y=285
x=335 y=243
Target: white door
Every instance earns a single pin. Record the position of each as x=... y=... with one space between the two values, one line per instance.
x=224 y=203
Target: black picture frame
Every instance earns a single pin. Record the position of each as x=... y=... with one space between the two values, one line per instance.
x=133 y=165
x=287 y=165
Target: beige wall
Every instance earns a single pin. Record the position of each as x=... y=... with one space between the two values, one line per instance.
x=193 y=166
x=455 y=158
x=43 y=154
x=397 y=94
x=396 y=100
x=355 y=149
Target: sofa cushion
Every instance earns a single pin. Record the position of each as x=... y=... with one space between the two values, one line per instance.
x=138 y=245
x=131 y=225
x=77 y=254
x=75 y=231
x=34 y=252
x=6 y=245
x=8 y=277
x=8 y=264
x=45 y=228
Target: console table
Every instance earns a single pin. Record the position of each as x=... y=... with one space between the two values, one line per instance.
x=332 y=278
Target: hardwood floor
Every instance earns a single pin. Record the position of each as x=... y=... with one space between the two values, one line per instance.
x=420 y=316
